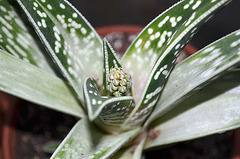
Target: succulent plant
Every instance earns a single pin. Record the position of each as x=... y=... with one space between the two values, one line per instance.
x=121 y=116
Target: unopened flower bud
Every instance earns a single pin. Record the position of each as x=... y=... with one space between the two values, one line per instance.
x=119 y=82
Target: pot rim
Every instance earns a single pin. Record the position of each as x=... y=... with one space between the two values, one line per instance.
x=131 y=29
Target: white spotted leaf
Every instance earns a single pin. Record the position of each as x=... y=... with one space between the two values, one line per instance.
x=87 y=141
x=110 y=111
x=214 y=109
x=17 y=40
x=160 y=44
x=110 y=60
x=69 y=38
x=197 y=71
x=30 y=83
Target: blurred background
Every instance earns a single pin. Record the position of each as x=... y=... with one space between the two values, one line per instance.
x=141 y=12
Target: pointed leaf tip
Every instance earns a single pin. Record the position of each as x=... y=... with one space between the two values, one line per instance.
x=69 y=38
x=160 y=44
x=110 y=112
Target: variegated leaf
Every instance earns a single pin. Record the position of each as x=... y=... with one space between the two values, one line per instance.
x=110 y=60
x=28 y=82
x=69 y=38
x=112 y=111
x=17 y=40
x=214 y=109
x=87 y=141
x=159 y=44
x=198 y=70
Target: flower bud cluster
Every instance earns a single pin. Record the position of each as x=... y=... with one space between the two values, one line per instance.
x=118 y=82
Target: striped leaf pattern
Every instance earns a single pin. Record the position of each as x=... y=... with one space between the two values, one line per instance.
x=197 y=71
x=16 y=39
x=214 y=109
x=111 y=111
x=183 y=20
x=69 y=38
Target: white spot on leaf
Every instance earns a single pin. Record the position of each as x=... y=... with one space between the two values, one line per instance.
x=62 y=6
x=186 y=6
x=138 y=43
x=49 y=7
x=150 y=31
x=74 y=15
x=196 y=5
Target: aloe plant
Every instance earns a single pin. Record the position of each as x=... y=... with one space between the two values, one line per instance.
x=127 y=105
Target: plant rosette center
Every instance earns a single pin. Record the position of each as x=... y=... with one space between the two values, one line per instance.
x=118 y=82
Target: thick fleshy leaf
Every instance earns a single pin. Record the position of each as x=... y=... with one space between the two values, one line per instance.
x=139 y=149
x=87 y=141
x=30 y=83
x=215 y=109
x=198 y=70
x=69 y=38
x=17 y=40
x=151 y=57
x=124 y=153
x=112 y=111
x=133 y=152
x=110 y=60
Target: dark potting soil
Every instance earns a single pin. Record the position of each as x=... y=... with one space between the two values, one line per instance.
x=38 y=126
x=212 y=147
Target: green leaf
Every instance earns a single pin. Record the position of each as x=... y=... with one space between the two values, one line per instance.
x=124 y=153
x=151 y=57
x=139 y=149
x=110 y=60
x=133 y=152
x=215 y=109
x=87 y=141
x=112 y=111
x=30 y=83
x=197 y=71
x=16 y=39
x=69 y=38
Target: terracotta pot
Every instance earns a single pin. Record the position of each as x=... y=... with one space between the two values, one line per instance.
x=133 y=29
x=236 y=144
x=9 y=109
